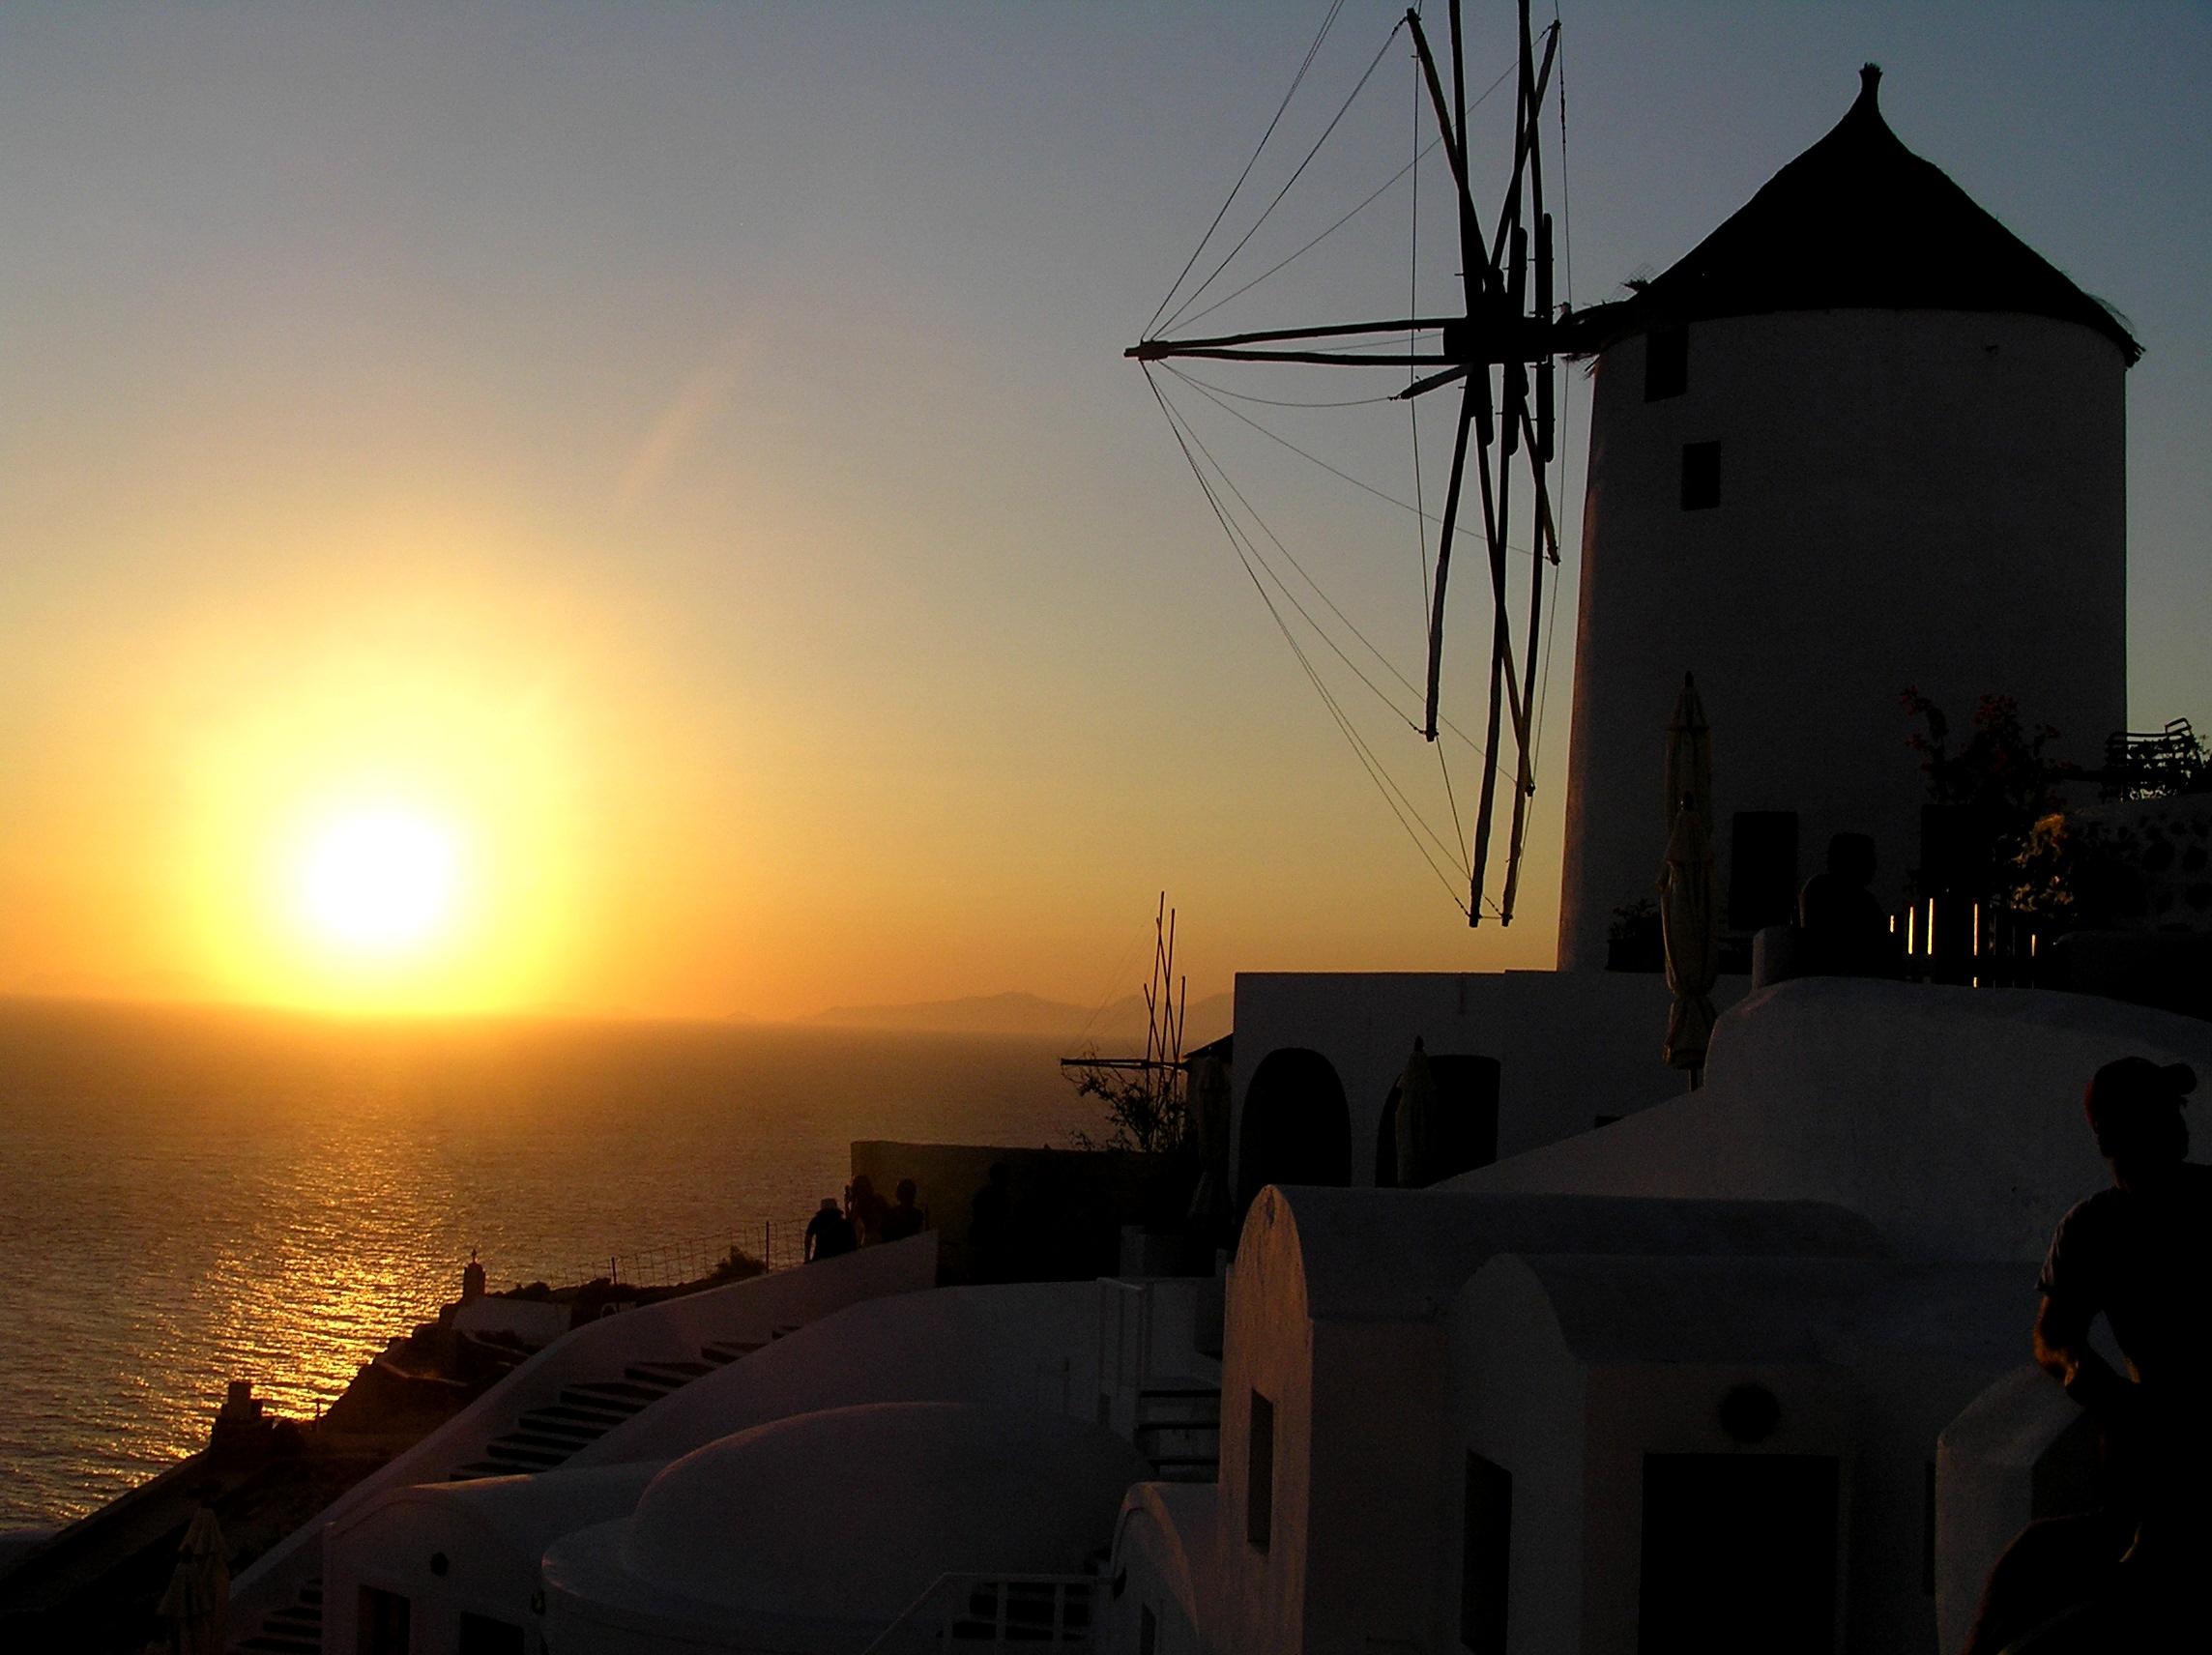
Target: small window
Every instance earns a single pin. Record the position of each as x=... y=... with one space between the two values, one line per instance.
x=1148 y=1630
x=1762 y=869
x=1701 y=476
x=382 y=1626
x=1666 y=364
x=1260 y=1474
x=484 y=1635
x=1486 y=1555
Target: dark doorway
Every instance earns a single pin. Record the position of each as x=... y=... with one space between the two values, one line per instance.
x=483 y=1635
x=1467 y=1097
x=1486 y=1555
x=1740 y=1555
x=383 y=1625
x=1297 y=1127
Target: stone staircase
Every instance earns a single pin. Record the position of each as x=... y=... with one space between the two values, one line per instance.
x=545 y=1437
x=542 y=1438
x=296 y=1629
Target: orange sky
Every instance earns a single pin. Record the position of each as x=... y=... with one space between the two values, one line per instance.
x=685 y=453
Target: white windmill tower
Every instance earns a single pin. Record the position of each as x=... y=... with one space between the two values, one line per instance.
x=1862 y=437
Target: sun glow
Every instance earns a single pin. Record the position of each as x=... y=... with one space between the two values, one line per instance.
x=381 y=880
x=395 y=801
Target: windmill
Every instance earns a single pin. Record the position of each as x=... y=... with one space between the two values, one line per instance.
x=1499 y=350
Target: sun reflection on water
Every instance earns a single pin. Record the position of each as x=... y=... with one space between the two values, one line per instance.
x=195 y=1198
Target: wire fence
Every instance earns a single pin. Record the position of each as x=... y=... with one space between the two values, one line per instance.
x=752 y=1248
x=772 y=1245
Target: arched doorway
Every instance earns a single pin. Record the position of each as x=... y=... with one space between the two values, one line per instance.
x=1297 y=1127
x=1467 y=1123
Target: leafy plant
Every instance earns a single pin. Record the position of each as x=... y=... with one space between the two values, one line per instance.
x=737 y=1266
x=1997 y=830
x=2002 y=766
x=1145 y=1111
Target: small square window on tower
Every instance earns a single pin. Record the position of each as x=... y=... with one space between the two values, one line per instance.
x=1666 y=364
x=1701 y=476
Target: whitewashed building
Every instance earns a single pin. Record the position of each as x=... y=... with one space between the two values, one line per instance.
x=1590 y=1397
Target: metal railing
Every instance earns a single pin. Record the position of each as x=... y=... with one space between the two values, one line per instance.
x=1956 y=939
x=774 y=1244
x=2153 y=764
x=994 y=1612
x=693 y=1258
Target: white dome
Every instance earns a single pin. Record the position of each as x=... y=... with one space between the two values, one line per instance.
x=852 y=1512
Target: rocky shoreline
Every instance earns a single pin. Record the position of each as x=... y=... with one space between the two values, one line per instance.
x=93 y=1585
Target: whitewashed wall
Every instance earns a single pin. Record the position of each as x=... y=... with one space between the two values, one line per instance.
x=1927 y=497
x=1568 y=1047
x=489 y=1535
x=1519 y=1398
x=1269 y=1345
x=1950 y=1118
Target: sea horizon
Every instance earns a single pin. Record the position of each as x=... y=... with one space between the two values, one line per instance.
x=203 y=1193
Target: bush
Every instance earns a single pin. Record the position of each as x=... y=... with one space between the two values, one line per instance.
x=1145 y=1109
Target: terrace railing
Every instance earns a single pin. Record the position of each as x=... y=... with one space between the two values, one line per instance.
x=994 y=1612
x=1961 y=942
x=776 y=1244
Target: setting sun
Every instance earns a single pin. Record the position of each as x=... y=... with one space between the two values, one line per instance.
x=380 y=880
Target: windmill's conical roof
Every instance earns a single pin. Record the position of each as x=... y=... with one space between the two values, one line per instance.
x=1858 y=221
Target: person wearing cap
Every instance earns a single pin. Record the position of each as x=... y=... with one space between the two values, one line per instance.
x=828 y=1233
x=2140 y=1254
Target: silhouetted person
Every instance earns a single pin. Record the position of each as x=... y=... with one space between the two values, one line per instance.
x=904 y=1218
x=865 y=1208
x=2140 y=1254
x=828 y=1233
x=990 y=1224
x=1847 y=934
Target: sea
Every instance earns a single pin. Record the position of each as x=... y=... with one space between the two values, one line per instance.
x=190 y=1196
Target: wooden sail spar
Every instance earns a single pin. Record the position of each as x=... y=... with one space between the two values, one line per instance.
x=1501 y=348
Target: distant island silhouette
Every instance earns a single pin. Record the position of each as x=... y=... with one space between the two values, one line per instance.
x=1011 y=1013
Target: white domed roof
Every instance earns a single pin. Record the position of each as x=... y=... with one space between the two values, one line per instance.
x=852 y=1512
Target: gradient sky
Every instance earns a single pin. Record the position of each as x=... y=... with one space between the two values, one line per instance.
x=691 y=444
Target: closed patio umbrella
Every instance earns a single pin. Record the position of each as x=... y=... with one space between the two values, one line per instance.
x=1417 y=1121
x=1208 y=1128
x=196 y=1605
x=1689 y=913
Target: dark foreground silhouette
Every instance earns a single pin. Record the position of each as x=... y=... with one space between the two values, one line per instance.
x=2140 y=1254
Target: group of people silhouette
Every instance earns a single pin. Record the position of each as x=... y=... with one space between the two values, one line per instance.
x=863 y=1219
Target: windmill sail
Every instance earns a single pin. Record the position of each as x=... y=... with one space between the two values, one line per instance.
x=1498 y=348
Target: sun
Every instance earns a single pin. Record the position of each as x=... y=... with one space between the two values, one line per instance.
x=380 y=880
